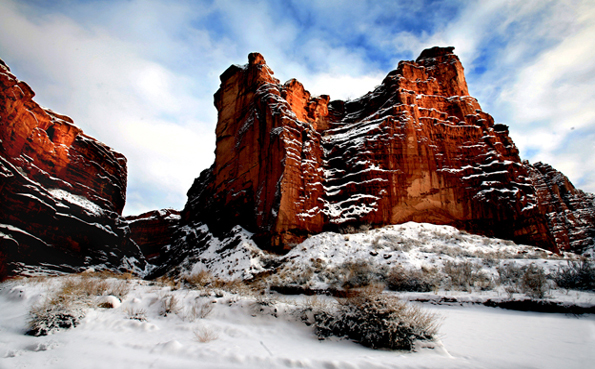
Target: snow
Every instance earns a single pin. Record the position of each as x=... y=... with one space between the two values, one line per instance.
x=136 y=335
x=80 y=201
x=260 y=329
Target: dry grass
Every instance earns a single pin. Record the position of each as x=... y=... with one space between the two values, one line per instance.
x=199 y=280
x=135 y=313
x=204 y=334
x=83 y=289
x=169 y=305
x=199 y=310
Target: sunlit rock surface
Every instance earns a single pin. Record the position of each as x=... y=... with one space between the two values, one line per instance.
x=416 y=148
x=62 y=191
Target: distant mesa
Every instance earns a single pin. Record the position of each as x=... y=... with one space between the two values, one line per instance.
x=287 y=165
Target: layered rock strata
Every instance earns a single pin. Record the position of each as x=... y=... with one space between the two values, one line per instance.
x=62 y=191
x=417 y=148
x=153 y=230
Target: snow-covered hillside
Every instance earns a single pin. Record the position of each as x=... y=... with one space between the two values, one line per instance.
x=204 y=317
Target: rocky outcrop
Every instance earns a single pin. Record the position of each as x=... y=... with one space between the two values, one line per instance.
x=62 y=191
x=152 y=230
x=570 y=212
x=417 y=148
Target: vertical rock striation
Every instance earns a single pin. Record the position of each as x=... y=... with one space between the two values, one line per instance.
x=417 y=148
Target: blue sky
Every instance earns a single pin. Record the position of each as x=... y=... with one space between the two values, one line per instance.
x=140 y=75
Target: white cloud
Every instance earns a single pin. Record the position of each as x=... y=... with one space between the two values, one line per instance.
x=140 y=75
x=120 y=96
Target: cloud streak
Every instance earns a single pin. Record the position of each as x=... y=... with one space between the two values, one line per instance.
x=140 y=75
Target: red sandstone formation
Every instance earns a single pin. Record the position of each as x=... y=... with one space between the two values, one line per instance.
x=570 y=212
x=62 y=191
x=417 y=148
x=152 y=230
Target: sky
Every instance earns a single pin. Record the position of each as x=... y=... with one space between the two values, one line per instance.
x=140 y=75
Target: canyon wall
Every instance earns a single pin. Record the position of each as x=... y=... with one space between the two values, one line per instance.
x=416 y=148
x=62 y=191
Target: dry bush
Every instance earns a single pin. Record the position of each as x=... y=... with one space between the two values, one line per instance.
x=235 y=286
x=169 y=305
x=199 y=310
x=204 y=334
x=168 y=281
x=509 y=274
x=577 y=275
x=65 y=307
x=413 y=280
x=289 y=275
x=465 y=275
x=377 y=321
x=54 y=314
x=83 y=289
x=534 y=282
x=106 y=274
x=136 y=314
x=530 y=279
x=199 y=280
x=362 y=273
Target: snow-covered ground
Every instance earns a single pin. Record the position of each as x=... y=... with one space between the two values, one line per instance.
x=169 y=324
x=136 y=334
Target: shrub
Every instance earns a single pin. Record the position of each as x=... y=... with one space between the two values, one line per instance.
x=465 y=275
x=204 y=334
x=534 y=281
x=169 y=305
x=377 y=321
x=509 y=274
x=361 y=273
x=200 y=279
x=136 y=314
x=53 y=314
x=199 y=310
x=413 y=280
x=577 y=275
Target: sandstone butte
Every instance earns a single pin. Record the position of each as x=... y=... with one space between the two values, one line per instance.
x=287 y=165
x=416 y=148
x=62 y=192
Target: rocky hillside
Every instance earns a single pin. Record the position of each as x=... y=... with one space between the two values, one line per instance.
x=417 y=148
x=62 y=191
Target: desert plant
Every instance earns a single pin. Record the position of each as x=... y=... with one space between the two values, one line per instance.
x=577 y=275
x=199 y=279
x=199 y=310
x=169 y=305
x=169 y=281
x=509 y=274
x=361 y=273
x=136 y=314
x=378 y=321
x=466 y=275
x=54 y=314
x=204 y=334
x=413 y=280
x=534 y=282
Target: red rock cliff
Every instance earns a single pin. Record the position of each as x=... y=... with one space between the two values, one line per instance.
x=62 y=191
x=417 y=148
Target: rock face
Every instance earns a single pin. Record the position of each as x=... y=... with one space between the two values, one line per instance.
x=569 y=211
x=152 y=230
x=62 y=191
x=417 y=148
